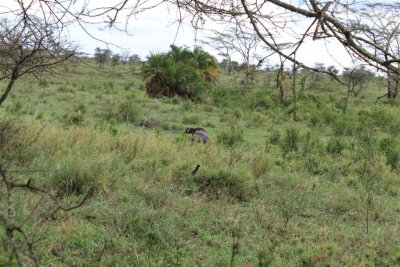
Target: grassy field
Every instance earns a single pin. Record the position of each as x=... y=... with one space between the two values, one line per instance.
x=323 y=191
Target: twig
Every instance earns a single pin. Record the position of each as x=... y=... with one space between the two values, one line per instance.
x=196 y=169
x=379 y=97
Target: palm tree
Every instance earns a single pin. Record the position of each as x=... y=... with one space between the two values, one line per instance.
x=207 y=64
x=180 y=72
x=180 y=54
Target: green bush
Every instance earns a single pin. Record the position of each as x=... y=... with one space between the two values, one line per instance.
x=74 y=118
x=222 y=182
x=311 y=144
x=261 y=164
x=393 y=158
x=230 y=137
x=190 y=119
x=389 y=148
x=128 y=112
x=80 y=108
x=180 y=72
x=329 y=115
x=381 y=117
x=314 y=119
x=335 y=145
x=344 y=126
x=75 y=176
x=291 y=140
x=275 y=137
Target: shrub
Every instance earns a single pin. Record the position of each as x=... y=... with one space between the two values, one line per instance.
x=389 y=147
x=383 y=118
x=314 y=119
x=75 y=176
x=238 y=113
x=335 y=145
x=80 y=108
x=261 y=164
x=9 y=130
x=392 y=158
x=230 y=137
x=385 y=144
x=108 y=85
x=222 y=182
x=291 y=140
x=74 y=118
x=311 y=144
x=328 y=115
x=128 y=112
x=261 y=103
x=190 y=119
x=346 y=125
x=275 y=137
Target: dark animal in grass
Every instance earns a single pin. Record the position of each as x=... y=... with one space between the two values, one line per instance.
x=198 y=134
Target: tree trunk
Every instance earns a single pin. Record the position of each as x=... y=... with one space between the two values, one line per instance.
x=279 y=83
x=8 y=89
x=393 y=85
x=295 y=108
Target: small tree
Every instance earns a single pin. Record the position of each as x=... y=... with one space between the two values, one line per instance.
x=134 y=59
x=101 y=56
x=334 y=70
x=320 y=69
x=29 y=48
x=357 y=79
x=124 y=58
x=237 y=40
x=115 y=60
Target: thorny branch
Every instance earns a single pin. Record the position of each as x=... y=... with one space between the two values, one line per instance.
x=355 y=26
x=11 y=227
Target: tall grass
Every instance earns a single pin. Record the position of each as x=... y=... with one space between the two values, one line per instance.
x=287 y=192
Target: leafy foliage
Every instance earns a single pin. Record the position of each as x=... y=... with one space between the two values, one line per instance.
x=180 y=72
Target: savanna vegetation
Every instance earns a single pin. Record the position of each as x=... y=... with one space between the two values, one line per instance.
x=270 y=191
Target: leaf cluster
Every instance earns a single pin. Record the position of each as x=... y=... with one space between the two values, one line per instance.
x=180 y=72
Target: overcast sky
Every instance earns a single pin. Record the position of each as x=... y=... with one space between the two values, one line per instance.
x=154 y=31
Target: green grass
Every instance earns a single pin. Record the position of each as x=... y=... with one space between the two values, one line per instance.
x=291 y=193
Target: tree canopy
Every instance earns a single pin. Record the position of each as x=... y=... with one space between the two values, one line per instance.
x=368 y=31
x=29 y=48
x=180 y=72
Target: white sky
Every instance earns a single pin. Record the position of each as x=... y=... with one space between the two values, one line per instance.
x=154 y=31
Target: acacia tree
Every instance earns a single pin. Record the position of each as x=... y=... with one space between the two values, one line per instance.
x=369 y=32
x=101 y=56
x=236 y=40
x=356 y=26
x=356 y=80
x=115 y=60
x=30 y=47
x=124 y=58
x=222 y=43
x=386 y=35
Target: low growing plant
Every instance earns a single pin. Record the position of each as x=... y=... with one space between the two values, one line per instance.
x=230 y=137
